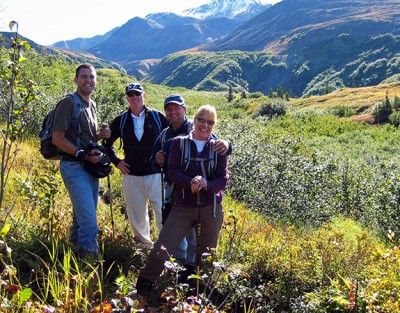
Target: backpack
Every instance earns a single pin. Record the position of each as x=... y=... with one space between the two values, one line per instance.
x=47 y=148
x=212 y=162
x=185 y=160
x=125 y=115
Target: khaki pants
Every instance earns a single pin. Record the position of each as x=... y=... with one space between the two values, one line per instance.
x=137 y=190
x=180 y=221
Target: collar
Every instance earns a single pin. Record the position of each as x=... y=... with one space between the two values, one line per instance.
x=141 y=114
x=190 y=136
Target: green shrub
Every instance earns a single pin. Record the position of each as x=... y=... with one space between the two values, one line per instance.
x=394 y=118
x=382 y=110
x=342 y=111
x=255 y=95
x=287 y=175
x=272 y=108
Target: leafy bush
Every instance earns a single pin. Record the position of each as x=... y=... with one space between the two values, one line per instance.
x=255 y=95
x=291 y=180
x=272 y=108
x=342 y=111
x=287 y=269
x=394 y=119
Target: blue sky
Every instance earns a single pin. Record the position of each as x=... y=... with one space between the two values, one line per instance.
x=49 y=21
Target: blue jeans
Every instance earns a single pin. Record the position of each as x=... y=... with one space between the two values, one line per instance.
x=83 y=190
x=185 y=253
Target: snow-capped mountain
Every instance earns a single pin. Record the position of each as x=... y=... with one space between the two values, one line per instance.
x=238 y=9
x=160 y=34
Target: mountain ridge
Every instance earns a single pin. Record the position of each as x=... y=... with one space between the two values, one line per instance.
x=239 y=9
x=309 y=45
x=220 y=17
x=306 y=47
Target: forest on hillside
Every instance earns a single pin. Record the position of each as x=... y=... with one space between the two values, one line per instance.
x=311 y=209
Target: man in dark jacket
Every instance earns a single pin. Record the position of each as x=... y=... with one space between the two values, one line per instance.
x=138 y=127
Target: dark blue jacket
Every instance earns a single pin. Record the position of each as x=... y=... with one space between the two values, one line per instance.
x=164 y=140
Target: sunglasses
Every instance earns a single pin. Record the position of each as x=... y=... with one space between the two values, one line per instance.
x=203 y=121
x=133 y=93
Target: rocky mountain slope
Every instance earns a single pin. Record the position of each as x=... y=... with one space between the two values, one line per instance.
x=306 y=46
x=160 y=34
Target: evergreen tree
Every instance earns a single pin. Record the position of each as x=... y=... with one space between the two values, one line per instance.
x=353 y=82
x=327 y=88
x=388 y=105
x=396 y=103
x=280 y=92
x=271 y=93
x=230 y=93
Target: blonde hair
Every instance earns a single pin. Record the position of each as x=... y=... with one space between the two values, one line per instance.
x=206 y=108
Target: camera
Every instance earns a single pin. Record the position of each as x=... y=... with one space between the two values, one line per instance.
x=95 y=146
x=103 y=167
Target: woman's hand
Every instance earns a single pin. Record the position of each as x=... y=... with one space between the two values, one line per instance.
x=197 y=183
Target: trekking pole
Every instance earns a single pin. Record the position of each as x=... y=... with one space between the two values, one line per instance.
x=110 y=199
x=162 y=186
x=105 y=125
x=198 y=233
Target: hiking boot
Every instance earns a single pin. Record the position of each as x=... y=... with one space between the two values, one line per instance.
x=145 y=247
x=144 y=286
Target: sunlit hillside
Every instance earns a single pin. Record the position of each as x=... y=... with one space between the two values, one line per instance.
x=361 y=100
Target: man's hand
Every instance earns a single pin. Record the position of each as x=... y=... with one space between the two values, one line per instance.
x=160 y=158
x=94 y=156
x=104 y=133
x=221 y=146
x=123 y=167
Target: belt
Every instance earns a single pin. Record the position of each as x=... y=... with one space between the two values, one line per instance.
x=69 y=158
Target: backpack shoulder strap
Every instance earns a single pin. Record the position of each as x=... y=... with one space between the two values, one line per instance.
x=213 y=159
x=189 y=127
x=156 y=117
x=77 y=106
x=185 y=152
x=75 y=117
x=163 y=135
x=185 y=147
x=186 y=156
x=122 y=122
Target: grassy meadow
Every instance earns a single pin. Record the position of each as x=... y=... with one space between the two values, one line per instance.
x=311 y=209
